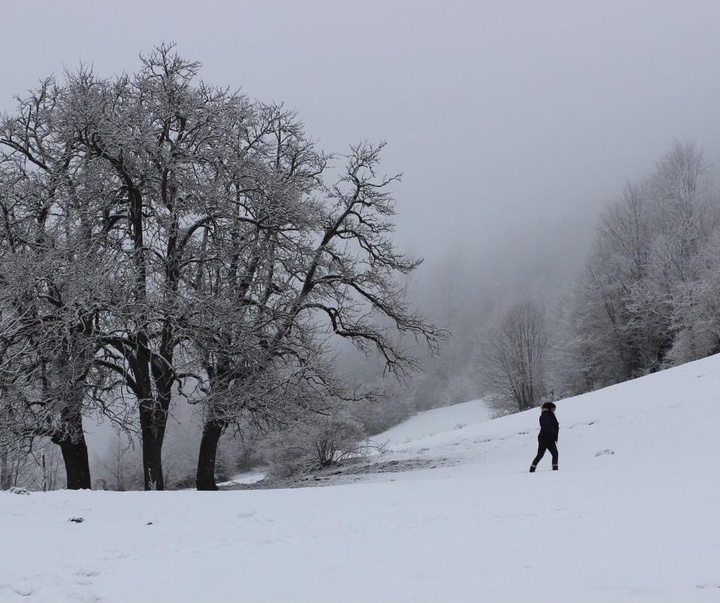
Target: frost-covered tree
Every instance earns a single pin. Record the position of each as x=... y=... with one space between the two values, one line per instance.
x=160 y=139
x=696 y=308
x=315 y=269
x=635 y=308
x=54 y=288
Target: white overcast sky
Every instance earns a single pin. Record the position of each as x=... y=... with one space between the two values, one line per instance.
x=511 y=120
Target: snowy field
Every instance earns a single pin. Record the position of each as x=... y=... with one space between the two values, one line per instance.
x=632 y=515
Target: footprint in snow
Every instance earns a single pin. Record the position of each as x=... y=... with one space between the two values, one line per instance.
x=84 y=576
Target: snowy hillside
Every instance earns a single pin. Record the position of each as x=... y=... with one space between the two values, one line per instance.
x=632 y=515
x=438 y=420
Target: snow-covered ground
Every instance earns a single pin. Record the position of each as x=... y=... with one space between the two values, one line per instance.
x=438 y=420
x=632 y=515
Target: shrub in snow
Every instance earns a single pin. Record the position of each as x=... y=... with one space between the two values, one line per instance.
x=312 y=445
x=604 y=452
x=183 y=483
x=18 y=491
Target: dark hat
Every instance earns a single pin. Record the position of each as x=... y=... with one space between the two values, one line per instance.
x=548 y=406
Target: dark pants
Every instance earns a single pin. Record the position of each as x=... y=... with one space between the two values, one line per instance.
x=544 y=445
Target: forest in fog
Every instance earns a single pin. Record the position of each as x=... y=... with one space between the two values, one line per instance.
x=191 y=287
x=640 y=296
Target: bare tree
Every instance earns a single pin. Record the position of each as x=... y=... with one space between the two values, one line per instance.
x=514 y=356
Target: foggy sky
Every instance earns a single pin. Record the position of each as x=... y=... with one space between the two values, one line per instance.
x=512 y=122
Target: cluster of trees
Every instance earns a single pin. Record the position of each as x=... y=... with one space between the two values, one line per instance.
x=647 y=298
x=163 y=239
x=648 y=295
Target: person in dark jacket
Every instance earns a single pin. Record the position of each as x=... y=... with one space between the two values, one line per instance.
x=548 y=436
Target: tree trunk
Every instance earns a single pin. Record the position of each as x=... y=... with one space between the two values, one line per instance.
x=77 y=465
x=71 y=439
x=152 y=442
x=5 y=473
x=212 y=431
x=153 y=422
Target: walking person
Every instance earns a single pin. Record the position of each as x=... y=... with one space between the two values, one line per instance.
x=548 y=436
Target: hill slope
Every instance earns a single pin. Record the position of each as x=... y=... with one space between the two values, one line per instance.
x=631 y=516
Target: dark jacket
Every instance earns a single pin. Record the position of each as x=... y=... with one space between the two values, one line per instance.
x=549 y=427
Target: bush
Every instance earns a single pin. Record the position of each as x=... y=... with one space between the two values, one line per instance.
x=306 y=446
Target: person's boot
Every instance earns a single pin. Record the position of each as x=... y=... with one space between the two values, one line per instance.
x=532 y=468
x=555 y=467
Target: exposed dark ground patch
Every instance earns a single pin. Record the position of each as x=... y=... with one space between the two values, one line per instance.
x=347 y=472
